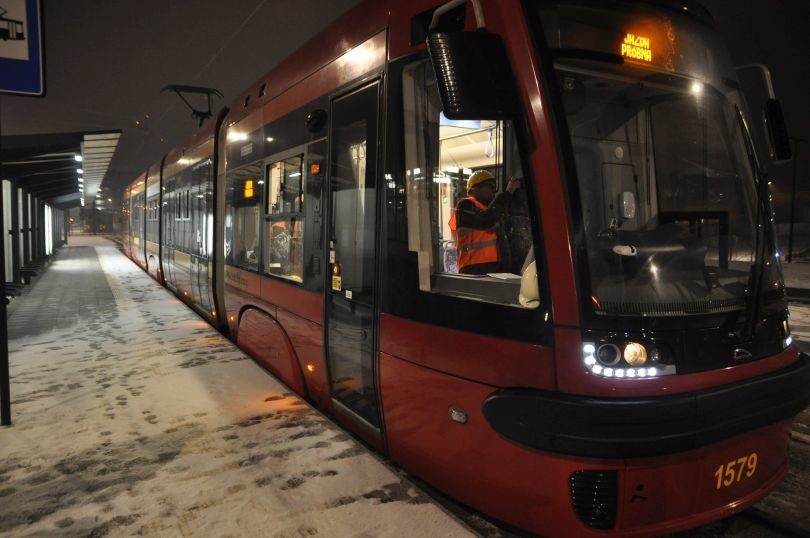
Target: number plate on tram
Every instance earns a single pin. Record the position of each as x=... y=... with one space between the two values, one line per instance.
x=736 y=470
x=744 y=466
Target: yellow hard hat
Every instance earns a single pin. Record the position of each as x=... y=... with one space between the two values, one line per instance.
x=478 y=177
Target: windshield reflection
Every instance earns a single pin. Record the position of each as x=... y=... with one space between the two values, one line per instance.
x=666 y=189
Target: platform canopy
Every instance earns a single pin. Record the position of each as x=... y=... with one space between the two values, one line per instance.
x=48 y=165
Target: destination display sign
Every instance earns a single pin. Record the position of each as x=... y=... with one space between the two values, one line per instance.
x=637 y=48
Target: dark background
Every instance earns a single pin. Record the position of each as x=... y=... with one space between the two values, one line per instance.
x=775 y=33
x=106 y=62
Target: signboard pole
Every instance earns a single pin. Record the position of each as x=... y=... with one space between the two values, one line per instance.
x=21 y=72
x=5 y=374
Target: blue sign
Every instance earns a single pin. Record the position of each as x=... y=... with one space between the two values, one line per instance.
x=21 y=47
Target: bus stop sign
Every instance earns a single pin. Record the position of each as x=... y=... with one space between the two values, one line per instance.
x=21 y=47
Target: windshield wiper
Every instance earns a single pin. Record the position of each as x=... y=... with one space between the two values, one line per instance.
x=762 y=227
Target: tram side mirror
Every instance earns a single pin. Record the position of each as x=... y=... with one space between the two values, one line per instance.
x=473 y=74
x=775 y=126
x=777 y=131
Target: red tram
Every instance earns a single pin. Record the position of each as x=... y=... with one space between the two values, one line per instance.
x=628 y=369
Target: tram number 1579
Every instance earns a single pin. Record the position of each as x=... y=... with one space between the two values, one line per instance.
x=732 y=471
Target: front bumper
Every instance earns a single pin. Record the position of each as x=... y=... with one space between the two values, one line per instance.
x=651 y=426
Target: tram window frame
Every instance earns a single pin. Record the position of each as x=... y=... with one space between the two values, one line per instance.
x=236 y=255
x=432 y=203
x=282 y=137
x=284 y=216
x=152 y=213
x=182 y=208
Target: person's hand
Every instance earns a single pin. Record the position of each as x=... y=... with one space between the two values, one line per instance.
x=513 y=185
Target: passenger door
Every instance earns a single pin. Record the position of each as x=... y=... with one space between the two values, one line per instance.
x=350 y=320
x=199 y=234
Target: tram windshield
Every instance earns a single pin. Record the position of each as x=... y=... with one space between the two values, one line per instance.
x=666 y=180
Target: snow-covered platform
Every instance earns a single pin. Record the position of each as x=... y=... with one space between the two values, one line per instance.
x=131 y=415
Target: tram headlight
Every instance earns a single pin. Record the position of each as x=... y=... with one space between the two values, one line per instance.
x=635 y=354
x=630 y=360
x=608 y=354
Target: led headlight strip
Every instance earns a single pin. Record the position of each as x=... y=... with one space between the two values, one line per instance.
x=630 y=360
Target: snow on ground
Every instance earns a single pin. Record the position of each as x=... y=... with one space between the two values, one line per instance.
x=180 y=435
x=800 y=324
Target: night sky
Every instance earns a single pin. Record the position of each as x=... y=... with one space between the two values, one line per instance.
x=107 y=62
x=775 y=33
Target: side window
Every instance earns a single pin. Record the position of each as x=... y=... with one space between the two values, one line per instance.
x=136 y=217
x=474 y=244
x=181 y=209
x=243 y=205
x=284 y=219
x=151 y=218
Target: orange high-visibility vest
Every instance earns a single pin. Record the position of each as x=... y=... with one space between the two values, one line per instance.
x=280 y=226
x=475 y=246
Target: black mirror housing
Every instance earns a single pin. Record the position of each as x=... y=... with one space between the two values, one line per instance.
x=777 y=131
x=473 y=74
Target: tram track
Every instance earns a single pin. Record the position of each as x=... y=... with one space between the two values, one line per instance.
x=776 y=525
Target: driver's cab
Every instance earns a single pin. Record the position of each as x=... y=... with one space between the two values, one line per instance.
x=441 y=154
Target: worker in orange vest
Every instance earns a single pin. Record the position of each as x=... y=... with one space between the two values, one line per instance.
x=476 y=224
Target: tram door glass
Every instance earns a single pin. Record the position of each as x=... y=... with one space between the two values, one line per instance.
x=170 y=229
x=351 y=297
x=136 y=223
x=201 y=199
x=178 y=218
